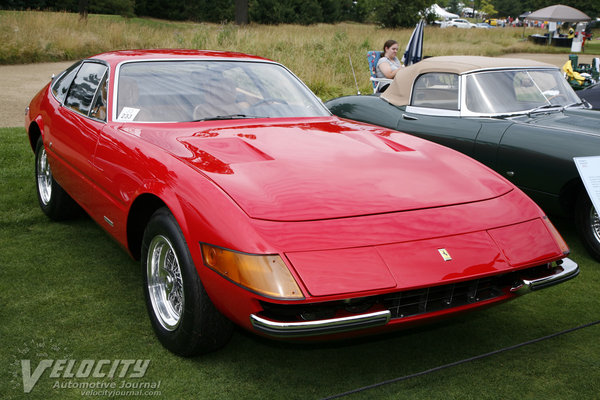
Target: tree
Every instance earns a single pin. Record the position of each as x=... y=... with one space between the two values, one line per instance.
x=303 y=12
x=83 y=9
x=507 y=8
x=401 y=13
x=270 y=11
x=125 y=8
x=363 y=10
x=453 y=7
x=488 y=8
x=241 y=12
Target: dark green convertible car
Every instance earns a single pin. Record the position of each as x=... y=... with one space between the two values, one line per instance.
x=519 y=117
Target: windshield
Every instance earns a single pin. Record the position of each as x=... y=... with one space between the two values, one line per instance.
x=176 y=91
x=513 y=91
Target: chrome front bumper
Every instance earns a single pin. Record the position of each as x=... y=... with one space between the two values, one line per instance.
x=564 y=270
x=320 y=327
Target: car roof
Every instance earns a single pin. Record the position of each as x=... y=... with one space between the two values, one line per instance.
x=400 y=89
x=115 y=57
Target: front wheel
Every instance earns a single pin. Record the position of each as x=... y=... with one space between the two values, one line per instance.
x=183 y=317
x=588 y=225
x=53 y=200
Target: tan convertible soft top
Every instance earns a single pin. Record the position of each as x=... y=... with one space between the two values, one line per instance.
x=399 y=91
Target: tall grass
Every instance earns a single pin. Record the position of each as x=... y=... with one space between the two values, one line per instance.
x=318 y=54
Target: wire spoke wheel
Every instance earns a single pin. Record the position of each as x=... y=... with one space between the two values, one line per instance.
x=183 y=317
x=595 y=224
x=44 y=177
x=587 y=222
x=165 y=283
x=52 y=198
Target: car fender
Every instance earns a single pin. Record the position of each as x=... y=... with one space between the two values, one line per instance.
x=34 y=115
x=536 y=159
x=366 y=109
x=127 y=169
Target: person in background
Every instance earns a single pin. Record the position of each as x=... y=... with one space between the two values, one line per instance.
x=388 y=64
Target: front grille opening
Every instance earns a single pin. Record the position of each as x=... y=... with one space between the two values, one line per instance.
x=409 y=302
x=315 y=312
x=436 y=298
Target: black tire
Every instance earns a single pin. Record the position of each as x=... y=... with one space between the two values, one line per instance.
x=53 y=200
x=183 y=317
x=588 y=225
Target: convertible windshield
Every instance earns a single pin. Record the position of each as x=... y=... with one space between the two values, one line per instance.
x=514 y=91
x=176 y=91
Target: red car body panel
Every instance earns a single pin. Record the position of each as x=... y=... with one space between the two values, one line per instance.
x=335 y=161
x=354 y=210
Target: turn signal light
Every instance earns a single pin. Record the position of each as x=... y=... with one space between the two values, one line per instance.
x=265 y=274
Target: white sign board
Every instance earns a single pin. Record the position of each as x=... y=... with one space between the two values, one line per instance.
x=589 y=170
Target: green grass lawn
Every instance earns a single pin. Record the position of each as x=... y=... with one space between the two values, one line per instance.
x=67 y=291
x=592 y=47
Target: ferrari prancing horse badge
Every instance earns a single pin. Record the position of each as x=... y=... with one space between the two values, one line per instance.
x=445 y=255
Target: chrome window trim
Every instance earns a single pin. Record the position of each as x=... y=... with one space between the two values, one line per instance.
x=436 y=112
x=105 y=75
x=465 y=112
x=58 y=77
x=496 y=69
x=195 y=59
x=106 y=72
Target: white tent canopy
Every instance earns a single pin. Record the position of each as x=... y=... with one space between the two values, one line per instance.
x=441 y=13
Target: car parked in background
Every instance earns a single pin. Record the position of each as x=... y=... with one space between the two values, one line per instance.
x=483 y=25
x=591 y=94
x=519 y=117
x=247 y=202
x=459 y=23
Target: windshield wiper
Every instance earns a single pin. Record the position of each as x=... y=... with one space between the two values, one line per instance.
x=231 y=116
x=502 y=116
x=545 y=107
x=581 y=103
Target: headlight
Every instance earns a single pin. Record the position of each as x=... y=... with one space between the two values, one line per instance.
x=264 y=274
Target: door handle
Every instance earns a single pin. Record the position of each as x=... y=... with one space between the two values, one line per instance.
x=409 y=117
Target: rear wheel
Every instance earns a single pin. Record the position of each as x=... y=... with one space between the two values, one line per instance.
x=183 y=317
x=53 y=200
x=587 y=222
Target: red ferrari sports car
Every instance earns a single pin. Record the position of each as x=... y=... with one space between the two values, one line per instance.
x=247 y=202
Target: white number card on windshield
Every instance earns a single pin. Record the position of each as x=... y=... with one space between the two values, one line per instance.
x=128 y=114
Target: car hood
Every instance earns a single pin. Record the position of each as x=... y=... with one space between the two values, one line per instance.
x=571 y=120
x=322 y=168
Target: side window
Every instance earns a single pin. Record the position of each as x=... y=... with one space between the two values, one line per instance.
x=62 y=84
x=84 y=87
x=436 y=90
x=99 y=105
